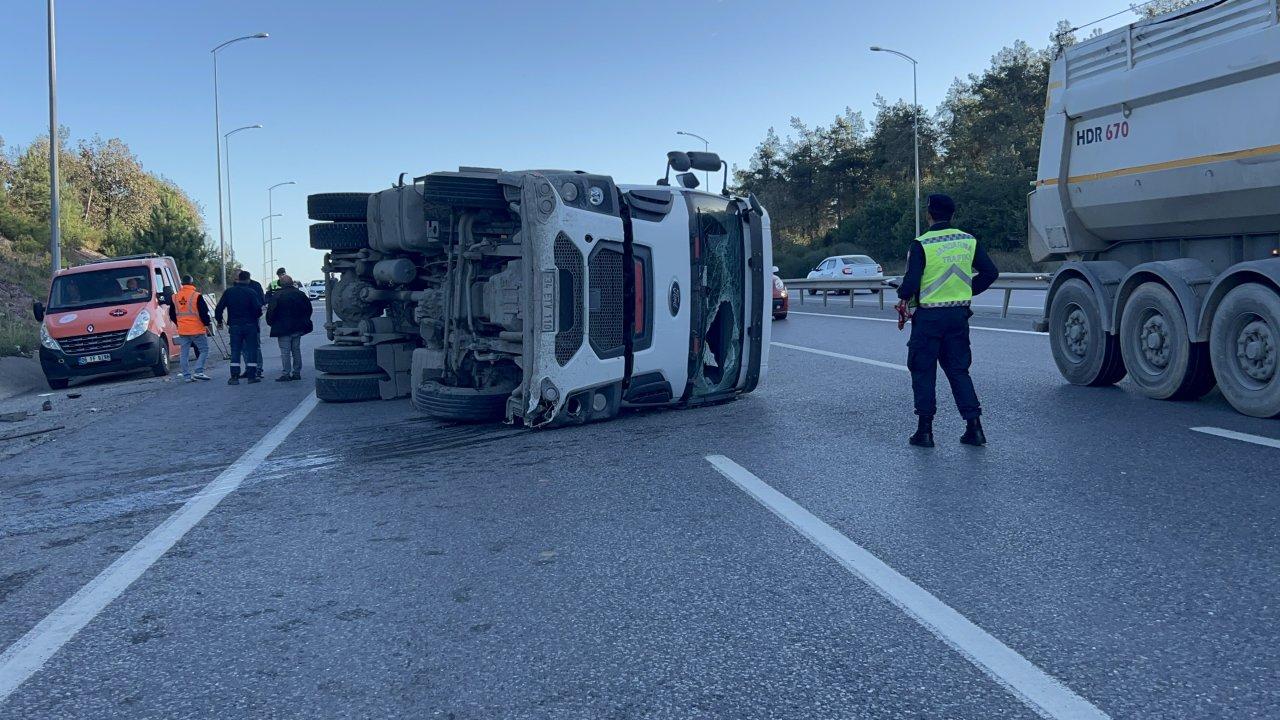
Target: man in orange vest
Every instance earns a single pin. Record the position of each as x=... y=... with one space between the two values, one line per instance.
x=191 y=314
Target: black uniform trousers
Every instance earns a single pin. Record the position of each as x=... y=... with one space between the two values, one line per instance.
x=940 y=337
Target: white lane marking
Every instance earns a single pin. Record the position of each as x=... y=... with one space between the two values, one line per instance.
x=1243 y=437
x=1033 y=686
x=871 y=319
x=26 y=656
x=842 y=356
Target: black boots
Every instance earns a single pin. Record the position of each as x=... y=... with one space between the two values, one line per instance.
x=924 y=433
x=973 y=434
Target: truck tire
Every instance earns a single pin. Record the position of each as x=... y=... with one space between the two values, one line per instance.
x=338 y=207
x=1083 y=351
x=348 y=388
x=458 y=404
x=346 y=359
x=1244 y=343
x=1162 y=361
x=339 y=236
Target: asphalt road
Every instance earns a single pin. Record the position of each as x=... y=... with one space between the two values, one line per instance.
x=378 y=564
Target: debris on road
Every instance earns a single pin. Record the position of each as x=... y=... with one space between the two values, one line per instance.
x=14 y=417
x=48 y=405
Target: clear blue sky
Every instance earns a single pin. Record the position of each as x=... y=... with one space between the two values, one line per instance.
x=352 y=93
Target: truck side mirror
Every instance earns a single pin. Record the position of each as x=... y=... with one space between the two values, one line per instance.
x=707 y=161
x=37 y=308
x=680 y=161
x=688 y=180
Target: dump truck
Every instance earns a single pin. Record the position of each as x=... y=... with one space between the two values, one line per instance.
x=1158 y=190
x=544 y=297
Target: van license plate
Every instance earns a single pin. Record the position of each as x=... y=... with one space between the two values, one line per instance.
x=85 y=360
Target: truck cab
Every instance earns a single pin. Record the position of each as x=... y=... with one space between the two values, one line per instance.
x=108 y=316
x=551 y=297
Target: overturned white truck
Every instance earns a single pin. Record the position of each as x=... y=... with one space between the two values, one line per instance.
x=1159 y=188
x=543 y=297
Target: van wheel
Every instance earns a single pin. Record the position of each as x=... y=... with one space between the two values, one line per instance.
x=459 y=404
x=161 y=368
x=58 y=384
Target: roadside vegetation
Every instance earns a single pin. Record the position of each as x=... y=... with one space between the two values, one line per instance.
x=110 y=206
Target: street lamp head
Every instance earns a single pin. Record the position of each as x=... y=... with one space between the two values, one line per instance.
x=876 y=48
x=261 y=35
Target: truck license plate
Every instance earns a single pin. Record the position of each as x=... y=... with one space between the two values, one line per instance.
x=85 y=360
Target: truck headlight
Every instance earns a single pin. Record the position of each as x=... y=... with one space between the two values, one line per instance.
x=140 y=325
x=47 y=340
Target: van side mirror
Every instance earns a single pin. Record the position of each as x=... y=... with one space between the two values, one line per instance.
x=679 y=161
x=166 y=295
x=37 y=308
x=707 y=161
x=688 y=180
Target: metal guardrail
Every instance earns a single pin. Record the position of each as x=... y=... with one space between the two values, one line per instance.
x=1007 y=282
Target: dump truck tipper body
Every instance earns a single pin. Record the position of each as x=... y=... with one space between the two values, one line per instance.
x=1159 y=189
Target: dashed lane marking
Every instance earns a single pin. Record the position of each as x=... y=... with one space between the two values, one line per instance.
x=842 y=356
x=26 y=656
x=1040 y=691
x=871 y=319
x=1242 y=437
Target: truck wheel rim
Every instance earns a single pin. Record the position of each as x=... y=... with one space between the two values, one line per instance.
x=1256 y=351
x=1153 y=338
x=1075 y=332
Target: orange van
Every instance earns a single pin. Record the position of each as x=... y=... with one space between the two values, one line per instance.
x=108 y=316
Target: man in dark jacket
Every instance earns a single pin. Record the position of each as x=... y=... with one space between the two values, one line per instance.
x=289 y=316
x=243 y=306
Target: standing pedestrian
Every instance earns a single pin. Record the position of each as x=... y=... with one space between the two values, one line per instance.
x=939 y=284
x=243 y=307
x=289 y=316
x=274 y=286
x=190 y=313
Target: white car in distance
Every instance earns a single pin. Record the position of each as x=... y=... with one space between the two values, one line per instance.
x=315 y=289
x=847 y=267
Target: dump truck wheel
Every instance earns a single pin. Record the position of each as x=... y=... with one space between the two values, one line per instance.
x=346 y=359
x=339 y=236
x=1083 y=351
x=1245 y=345
x=1163 y=363
x=338 y=207
x=458 y=404
x=348 y=388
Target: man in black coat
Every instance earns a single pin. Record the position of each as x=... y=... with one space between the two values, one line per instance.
x=289 y=316
x=243 y=307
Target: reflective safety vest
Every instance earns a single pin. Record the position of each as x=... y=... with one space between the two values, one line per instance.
x=948 y=268
x=186 y=305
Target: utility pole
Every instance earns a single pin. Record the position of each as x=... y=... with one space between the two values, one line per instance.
x=55 y=229
x=706 y=147
x=915 y=124
x=217 y=147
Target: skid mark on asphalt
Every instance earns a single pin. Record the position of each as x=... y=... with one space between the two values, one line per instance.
x=871 y=319
x=1242 y=437
x=421 y=441
x=841 y=356
x=1037 y=689
x=26 y=656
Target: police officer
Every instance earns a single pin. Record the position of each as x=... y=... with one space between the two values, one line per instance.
x=945 y=268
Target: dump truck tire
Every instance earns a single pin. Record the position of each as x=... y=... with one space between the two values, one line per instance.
x=339 y=236
x=462 y=405
x=338 y=207
x=346 y=359
x=348 y=388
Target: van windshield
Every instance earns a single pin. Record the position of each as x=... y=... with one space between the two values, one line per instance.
x=721 y=247
x=115 y=286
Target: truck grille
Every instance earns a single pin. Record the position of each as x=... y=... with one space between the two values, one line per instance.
x=569 y=262
x=89 y=344
x=607 y=297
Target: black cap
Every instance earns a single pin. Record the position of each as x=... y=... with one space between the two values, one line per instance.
x=941 y=207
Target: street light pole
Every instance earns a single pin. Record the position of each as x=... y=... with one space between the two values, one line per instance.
x=55 y=225
x=271 y=225
x=217 y=142
x=262 y=224
x=915 y=124
x=706 y=147
x=231 y=218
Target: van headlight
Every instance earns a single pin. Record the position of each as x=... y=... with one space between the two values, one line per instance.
x=140 y=325
x=47 y=340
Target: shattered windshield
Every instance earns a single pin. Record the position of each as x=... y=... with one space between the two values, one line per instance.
x=719 y=231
